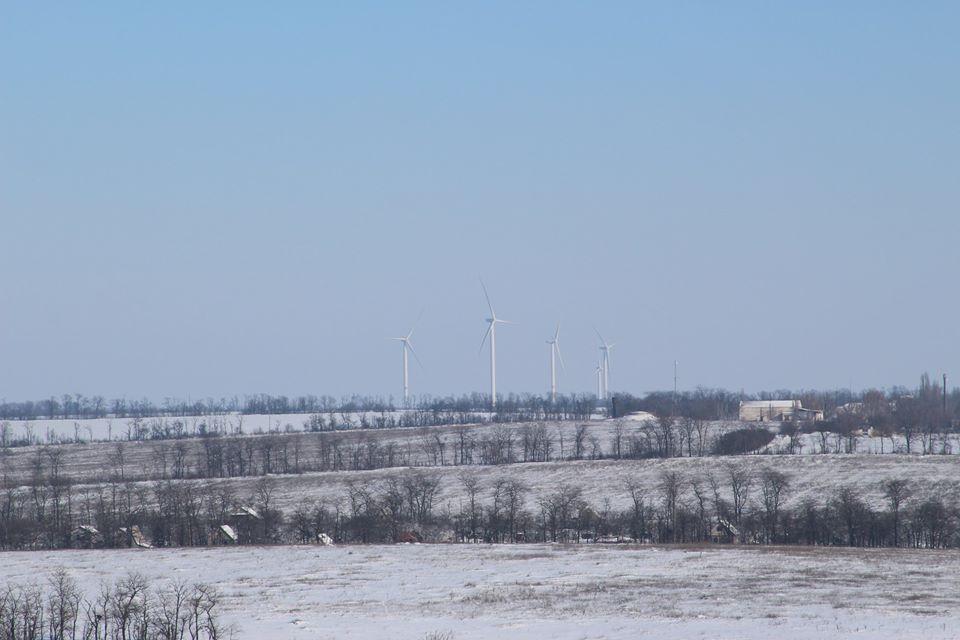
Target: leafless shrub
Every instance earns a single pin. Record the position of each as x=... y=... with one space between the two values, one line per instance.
x=127 y=610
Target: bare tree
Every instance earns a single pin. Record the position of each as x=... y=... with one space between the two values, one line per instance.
x=896 y=491
x=63 y=605
x=514 y=493
x=638 y=510
x=471 y=520
x=616 y=444
x=670 y=488
x=579 y=438
x=740 y=479
x=773 y=486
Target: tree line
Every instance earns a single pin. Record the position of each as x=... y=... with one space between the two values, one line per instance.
x=318 y=449
x=930 y=402
x=704 y=403
x=129 y=609
x=510 y=407
x=734 y=504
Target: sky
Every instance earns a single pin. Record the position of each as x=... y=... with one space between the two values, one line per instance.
x=217 y=199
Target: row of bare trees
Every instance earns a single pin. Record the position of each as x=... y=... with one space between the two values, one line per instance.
x=169 y=513
x=931 y=402
x=44 y=469
x=736 y=502
x=129 y=609
x=366 y=411
x=736 y=505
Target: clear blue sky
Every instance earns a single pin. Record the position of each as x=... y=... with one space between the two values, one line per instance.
x=244 y=197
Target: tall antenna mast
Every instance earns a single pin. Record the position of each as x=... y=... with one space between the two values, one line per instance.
x=675 y=365
x=944 y=396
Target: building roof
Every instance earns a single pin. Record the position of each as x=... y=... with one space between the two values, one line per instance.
x=777 y=404
x=228 y=531
x=246 y=512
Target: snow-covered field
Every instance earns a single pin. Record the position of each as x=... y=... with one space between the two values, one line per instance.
x=548 y=591
x=814 y=477
x=371 y=424
x=47 y=431
x=417 y=446
x=50 y=430
x=817 y=478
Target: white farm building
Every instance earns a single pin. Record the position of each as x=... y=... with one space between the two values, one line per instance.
x=776 y=411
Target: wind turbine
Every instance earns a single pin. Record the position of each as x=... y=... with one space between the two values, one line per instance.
x=554 y=354
x=407 y=348
x=604 y=364
x=492 y=323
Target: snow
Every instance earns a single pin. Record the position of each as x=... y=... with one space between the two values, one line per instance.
x=777 y=404
x=812 y=475
x=227 y=423
x=535 y=591
x=86 y=462
x=639 y=416
x=815 y=477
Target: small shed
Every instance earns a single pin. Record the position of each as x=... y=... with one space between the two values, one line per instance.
x=86 y=536
x=247 y=524
x=776 y=411
x=723 y=532
x=244 y=513
x=409 y=537
x=133 y=537
x=225 y=534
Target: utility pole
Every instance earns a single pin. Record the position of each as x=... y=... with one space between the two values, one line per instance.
x=944 y=396
x=675 y=364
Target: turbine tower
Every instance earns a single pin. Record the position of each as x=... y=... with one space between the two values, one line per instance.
x=492 y=323
x=407 y=348
x=604 y=365
x=554 y=354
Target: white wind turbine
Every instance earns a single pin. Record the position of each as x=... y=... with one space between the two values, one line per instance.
x=492 y=323
x=604 y=365
x=407 y=348
x=554 y=355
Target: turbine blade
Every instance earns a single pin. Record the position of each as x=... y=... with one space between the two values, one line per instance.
x=416 y=357
x=484 y=341
x=415 y=323
x=597 y=331
x=487 y=296
x=556 y=345
x=556 y=335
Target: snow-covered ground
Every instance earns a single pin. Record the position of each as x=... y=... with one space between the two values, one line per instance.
x=416 y=446
x=547 y=591
x=814 y=477
x=817 y=478
x=51 y=430
x=825 y=442
x=45 y=431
